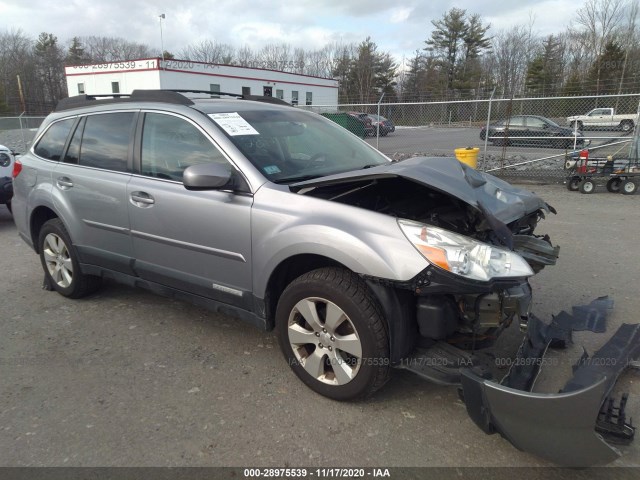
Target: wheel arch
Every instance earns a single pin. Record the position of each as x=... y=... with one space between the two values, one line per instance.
x=285 y=272
x=39 y=217
x=398 y=306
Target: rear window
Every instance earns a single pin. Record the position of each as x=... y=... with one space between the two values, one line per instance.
x=105 y=142
x=52 y=142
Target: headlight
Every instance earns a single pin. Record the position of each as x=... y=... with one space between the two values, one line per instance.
x=462 y=255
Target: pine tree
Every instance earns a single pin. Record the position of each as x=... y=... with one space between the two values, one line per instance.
x=457 y=42
x=604 y=74
x=76 y=54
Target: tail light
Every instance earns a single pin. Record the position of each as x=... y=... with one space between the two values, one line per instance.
x=17 y=168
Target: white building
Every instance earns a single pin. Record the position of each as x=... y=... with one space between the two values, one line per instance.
x=153 y=73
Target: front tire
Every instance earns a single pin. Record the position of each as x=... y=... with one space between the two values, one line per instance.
x=587 y=186
x=59 y=259
x=332 y=333
x=573 y=184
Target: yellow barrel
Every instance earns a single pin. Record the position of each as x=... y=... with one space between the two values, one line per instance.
x=468 y=155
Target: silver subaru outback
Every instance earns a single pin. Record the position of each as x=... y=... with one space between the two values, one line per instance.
x=286 y=220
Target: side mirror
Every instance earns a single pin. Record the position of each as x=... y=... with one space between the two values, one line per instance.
x=545 y=125
x=207 y=176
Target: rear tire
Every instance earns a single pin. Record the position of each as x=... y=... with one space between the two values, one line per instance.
x=59 y=259
x=573 y=184
x=626 y=125
x=333 y=335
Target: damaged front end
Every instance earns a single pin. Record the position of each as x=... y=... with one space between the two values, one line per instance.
x=478 y=235
x=577 y=426
x=476 y=231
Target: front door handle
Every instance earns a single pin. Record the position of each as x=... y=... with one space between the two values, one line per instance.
x=142 y=199
x=64 y=183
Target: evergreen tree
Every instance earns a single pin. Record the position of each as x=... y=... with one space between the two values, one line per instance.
x=604 y=74
x=457 y=42
x=544 y=73
x=49 y=64
x=76 y=54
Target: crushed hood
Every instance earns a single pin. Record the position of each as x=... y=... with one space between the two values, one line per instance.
x=447 y=175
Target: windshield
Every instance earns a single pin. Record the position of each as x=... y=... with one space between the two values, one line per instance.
x=288 y=145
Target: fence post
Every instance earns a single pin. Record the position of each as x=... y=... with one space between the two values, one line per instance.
x=486 y=132
x=378 y=127
x=24 y=142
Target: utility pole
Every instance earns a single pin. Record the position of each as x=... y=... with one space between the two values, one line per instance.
x=161 y=16
x=24 y=108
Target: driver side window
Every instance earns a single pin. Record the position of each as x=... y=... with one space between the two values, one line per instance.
x=170 y=144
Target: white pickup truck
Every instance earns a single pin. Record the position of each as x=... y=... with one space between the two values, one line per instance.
x=603 y=118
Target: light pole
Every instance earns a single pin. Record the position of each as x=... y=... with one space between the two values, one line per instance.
x=161 y=16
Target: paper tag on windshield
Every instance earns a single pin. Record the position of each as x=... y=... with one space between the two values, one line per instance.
x=233 y=124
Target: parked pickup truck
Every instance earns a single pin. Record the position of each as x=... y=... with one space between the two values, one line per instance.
x=603 y=118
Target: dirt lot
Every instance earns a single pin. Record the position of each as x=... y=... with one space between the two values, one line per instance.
x=126 y=378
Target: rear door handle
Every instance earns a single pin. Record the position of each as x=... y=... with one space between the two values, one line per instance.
x=142 y=199
x=64 y=183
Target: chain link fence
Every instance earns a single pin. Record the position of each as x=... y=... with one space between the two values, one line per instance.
x=523 y=137
x=518 y=137
x=17 y=133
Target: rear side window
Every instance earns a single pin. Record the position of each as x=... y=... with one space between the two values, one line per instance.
x=105 y=143
x=52 y=142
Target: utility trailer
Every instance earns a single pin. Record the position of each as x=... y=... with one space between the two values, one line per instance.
x=620 y=175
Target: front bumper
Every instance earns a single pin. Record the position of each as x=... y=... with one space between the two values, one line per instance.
x=572 y=427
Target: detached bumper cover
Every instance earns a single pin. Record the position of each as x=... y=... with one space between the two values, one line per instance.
x=560 y=427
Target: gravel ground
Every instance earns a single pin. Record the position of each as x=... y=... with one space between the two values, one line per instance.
x=14 y=139
x=126 y=378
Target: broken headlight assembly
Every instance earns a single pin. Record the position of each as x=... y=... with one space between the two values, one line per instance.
x=463 y=255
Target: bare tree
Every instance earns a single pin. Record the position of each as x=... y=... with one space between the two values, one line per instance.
x=113 y=49
x=512 y=50
x=209 y=51
x=629 y=39
x=16 y=58
x=598 y=20
x=244 y=56
x=275 y=56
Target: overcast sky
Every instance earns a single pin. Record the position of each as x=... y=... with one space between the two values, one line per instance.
x=397 y=26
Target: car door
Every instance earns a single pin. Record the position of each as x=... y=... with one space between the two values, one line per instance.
x=537 y=128
x=194 y=241
x=516 y=129
x=91 y=188
x=596 y=118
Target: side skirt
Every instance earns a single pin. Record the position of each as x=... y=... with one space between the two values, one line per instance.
x=209 y=304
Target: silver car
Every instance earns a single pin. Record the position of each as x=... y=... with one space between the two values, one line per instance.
x=286 y=220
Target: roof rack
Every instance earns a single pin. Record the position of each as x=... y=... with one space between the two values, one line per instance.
x=255 y=98
x=164 y=96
